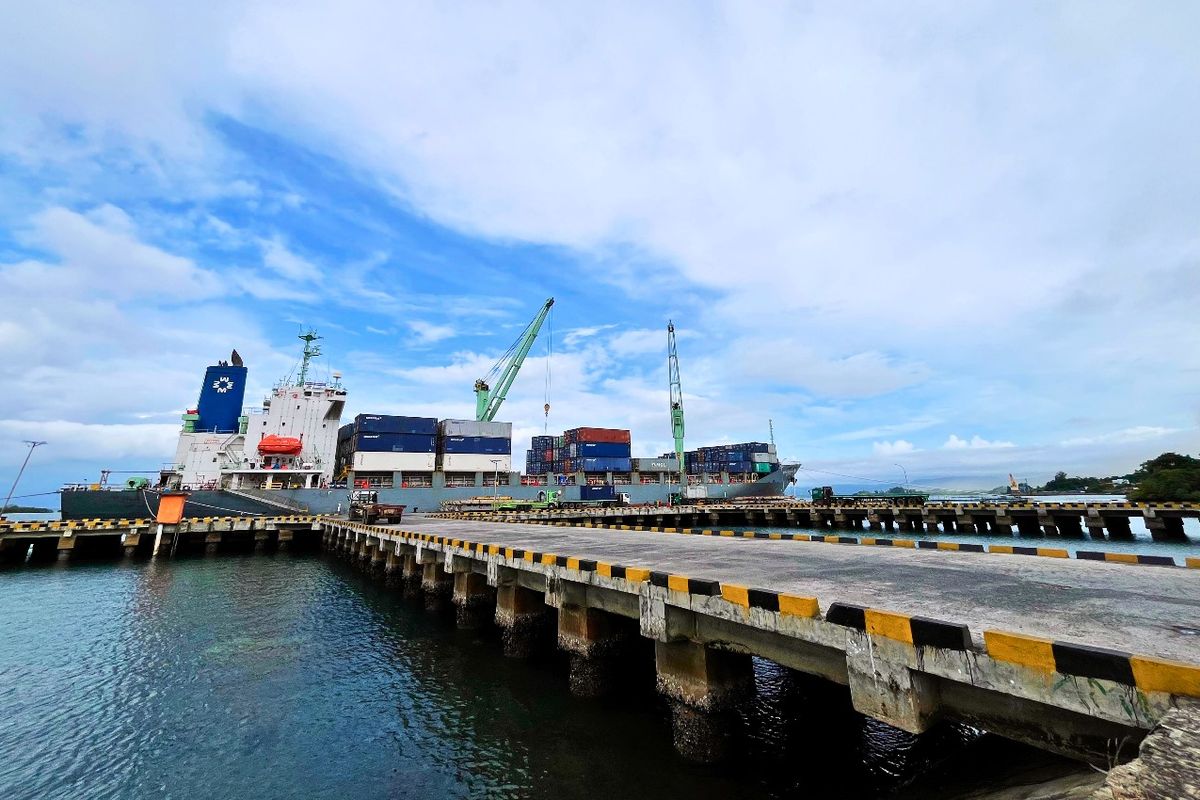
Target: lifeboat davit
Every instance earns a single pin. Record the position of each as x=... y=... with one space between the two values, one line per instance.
x=280 y=445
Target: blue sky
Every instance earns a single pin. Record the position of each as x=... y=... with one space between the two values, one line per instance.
x=960 y=238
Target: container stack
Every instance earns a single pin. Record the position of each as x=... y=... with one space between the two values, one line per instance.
x=467 y=445
x=580 y=450
x=384 y=443
x=540 y=458
x=757 y=458
x=596 y=450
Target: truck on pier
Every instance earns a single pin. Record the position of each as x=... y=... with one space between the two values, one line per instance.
x=365 y=506
x=590 y=497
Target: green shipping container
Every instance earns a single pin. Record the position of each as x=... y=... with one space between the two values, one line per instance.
x=762 y=468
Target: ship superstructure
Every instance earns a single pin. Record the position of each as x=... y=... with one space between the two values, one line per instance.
x=288 y=443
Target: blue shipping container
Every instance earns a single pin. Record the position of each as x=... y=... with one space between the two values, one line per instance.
x=603 y=464
x=479 y=445
x=599 y=450
x=597 y=492
x=382 y=423
x=395 y=443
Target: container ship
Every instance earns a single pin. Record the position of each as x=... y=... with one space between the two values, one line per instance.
x=293 y=455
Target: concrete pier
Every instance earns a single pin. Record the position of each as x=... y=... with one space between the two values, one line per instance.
x=67 y=541
x=1067 y=655
x=1029 y=518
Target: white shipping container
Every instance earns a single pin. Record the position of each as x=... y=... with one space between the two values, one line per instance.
x=393 y=462
x=471 y=462
x=471 y=427
x=764 y=458
x=655 y=465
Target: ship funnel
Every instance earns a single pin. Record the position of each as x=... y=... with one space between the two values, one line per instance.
x=221 y=398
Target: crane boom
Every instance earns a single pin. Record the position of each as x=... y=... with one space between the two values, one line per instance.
x=487 y=401
x=676 y=402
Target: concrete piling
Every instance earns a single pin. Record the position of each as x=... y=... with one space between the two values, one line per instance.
x=520 y=614
x=473 y=599
x=595 y=641
x=704 y=686
x=436 y=584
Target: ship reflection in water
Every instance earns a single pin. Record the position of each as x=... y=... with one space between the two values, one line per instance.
x=283 y=677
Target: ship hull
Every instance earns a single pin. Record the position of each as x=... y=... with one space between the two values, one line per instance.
x=134 y=503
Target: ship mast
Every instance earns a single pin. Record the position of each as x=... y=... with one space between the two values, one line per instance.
x=311 y=351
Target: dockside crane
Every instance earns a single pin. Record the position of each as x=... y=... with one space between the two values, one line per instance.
x=676 y=405
x=504 y=372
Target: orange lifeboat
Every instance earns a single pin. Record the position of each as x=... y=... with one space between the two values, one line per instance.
x=280 y=445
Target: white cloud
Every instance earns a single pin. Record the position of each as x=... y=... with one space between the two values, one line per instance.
x=576 y=336
x=1138 y=433
x=429 y=333
x=898 y=447
x=974 y=443
x=102 y=443
x=283 y=262
x=886 y=430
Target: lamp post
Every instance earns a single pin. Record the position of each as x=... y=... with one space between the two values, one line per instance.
x=902 y=469
x=20 y=472
x=495 y=478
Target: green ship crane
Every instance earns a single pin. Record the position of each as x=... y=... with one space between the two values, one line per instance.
x=487 y=401
x=676 y=403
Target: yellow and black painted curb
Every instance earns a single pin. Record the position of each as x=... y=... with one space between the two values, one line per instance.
x=1146 y=673
x=125 y=524
x=1065 y=658
x=1142 y=559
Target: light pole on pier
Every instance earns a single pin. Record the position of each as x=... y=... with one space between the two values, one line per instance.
x=32 y=445
x=495 y=479
x=901 y=466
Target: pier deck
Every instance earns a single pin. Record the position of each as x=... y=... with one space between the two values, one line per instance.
x=1106 y=605
x=1098 y=520
x=1073 y=656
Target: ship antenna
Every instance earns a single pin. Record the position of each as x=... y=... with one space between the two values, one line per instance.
x=311 y=351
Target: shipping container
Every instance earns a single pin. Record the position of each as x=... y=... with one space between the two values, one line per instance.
x=393 y=462
x=654 y=465
x=475 y=428
x=600 y=465
x=615 y=435
x=474 y=462
x=764 y=468
x=479 y=445
x=593 y=493
x=383 y=423
x=395 y=443
x=598 y=450
x=764 y=458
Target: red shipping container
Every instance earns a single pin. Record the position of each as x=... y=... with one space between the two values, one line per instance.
x=548 y=455
x=612 y=435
